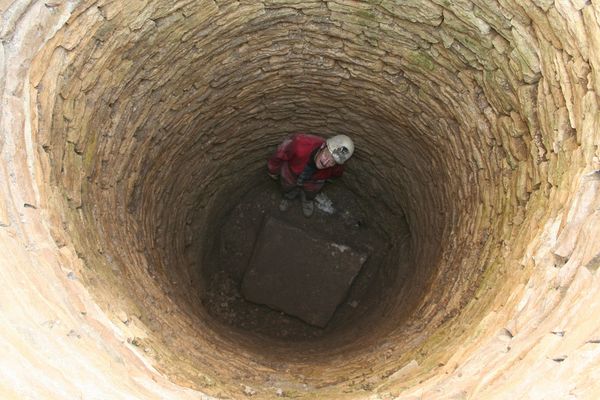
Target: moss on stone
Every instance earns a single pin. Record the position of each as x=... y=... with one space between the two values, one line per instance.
x=422 y=60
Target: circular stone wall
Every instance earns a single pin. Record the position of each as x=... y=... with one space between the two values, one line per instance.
x=129 y=129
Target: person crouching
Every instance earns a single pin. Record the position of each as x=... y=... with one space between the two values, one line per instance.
x=303 y=162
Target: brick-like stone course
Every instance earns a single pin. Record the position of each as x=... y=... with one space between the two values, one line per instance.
x=127 y=127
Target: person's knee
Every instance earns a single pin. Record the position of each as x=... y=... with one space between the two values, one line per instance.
x=291 y=194
x=310 y=195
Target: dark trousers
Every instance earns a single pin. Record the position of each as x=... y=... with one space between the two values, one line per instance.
x=294 y=191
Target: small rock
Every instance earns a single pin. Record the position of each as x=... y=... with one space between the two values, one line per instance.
x=558 y=332
x=594 y=341
x=353 y=304
x=279 y=392
x=248 y=391
x=559 y=358
x=71 y=276
x=324 y=203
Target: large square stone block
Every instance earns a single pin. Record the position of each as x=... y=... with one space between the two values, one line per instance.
x=300 y=274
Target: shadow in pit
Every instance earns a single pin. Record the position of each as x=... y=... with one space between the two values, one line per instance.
x=239 y=252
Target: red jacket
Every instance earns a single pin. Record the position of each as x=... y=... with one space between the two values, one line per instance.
x=291 y=157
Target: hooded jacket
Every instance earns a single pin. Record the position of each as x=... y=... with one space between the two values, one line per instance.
x=292 y=156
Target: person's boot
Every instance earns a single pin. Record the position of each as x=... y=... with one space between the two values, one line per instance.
x=308 y=206
x=286 y=200
x=284 y=204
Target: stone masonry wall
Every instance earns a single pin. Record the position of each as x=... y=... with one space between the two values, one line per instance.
x=127 y=127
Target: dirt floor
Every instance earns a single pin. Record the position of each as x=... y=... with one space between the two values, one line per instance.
x=348 y=225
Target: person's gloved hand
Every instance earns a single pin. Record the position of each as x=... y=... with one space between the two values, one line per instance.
x=273 y=176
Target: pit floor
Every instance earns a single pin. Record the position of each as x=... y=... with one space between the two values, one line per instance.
x=234 y=246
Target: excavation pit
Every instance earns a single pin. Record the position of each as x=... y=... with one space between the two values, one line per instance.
x=130 y=129
x=258 y=244
x=297 y=273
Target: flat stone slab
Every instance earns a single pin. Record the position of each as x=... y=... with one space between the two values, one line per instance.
x=301 y=275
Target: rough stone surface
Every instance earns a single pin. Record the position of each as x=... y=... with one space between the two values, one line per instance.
x=127 y=127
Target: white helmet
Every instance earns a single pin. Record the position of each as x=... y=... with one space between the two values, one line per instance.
x=340 y=147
